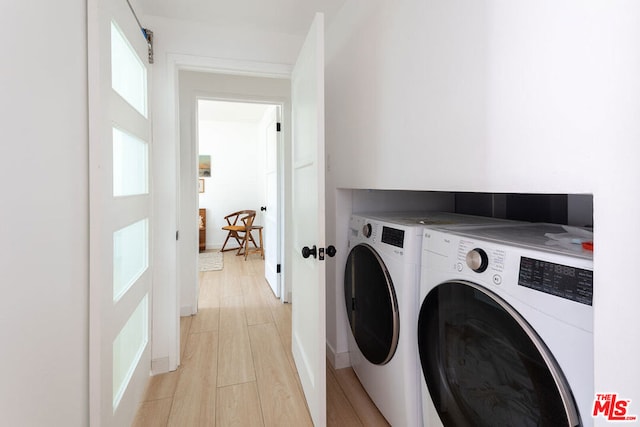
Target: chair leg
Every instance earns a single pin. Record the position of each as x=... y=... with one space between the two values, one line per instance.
x=239 y=240
x=252 y=240
x=225 y=242
x=240 y=248
x=261 y=247
x=246 y=244
x=235 y=235
x=258 y=248
x=247 y=237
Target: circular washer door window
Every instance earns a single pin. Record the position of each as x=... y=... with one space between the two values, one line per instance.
x=372 y=307
x=484 y=365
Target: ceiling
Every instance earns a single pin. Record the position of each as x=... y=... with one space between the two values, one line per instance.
x=280 y=16
x=222 y=111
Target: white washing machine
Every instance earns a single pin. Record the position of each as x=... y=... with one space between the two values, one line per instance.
x=505 y=328
x=381 y=298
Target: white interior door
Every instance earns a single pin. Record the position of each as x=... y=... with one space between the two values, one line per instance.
x=308 y=274
x=271 y=215
x=120 y=214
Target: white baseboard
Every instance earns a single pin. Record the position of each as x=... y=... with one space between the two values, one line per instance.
x=160 y=366
x=338 y=360
x=187 y=311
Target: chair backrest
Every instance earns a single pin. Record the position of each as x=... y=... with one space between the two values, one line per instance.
x=248 y=219
x=244 y=216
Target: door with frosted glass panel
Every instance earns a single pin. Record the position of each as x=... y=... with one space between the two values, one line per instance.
x=120 y=214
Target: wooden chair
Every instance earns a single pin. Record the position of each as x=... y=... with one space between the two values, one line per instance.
x=238 y=225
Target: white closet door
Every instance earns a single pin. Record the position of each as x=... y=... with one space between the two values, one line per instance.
x=271 y=215
x=308 y=294
x=120 y=214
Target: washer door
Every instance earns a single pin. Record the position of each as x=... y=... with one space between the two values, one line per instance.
x=371 y=303
x=484 y=365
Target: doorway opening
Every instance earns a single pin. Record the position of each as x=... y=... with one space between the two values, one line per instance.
x=239 y=168
x=193 y=86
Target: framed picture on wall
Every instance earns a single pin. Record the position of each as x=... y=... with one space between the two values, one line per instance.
x=201 y=185
x=204 y=166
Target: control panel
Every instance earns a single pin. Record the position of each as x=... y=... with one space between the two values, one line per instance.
x=572 y=283
x=393 y=236
x=575 y=284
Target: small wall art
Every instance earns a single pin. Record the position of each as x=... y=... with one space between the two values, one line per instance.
x=204 y=166
x=201 y=185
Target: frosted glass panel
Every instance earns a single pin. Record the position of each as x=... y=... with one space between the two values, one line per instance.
x=130 y=256
x=128 y=73
x=128 y=348
x=130 y=164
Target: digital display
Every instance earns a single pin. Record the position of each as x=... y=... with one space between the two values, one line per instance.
x=575 y=284
x=393 y=236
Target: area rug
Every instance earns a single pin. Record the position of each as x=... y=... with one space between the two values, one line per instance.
x=211 y=261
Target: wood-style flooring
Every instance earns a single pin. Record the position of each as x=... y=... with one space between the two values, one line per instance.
x=236 y=363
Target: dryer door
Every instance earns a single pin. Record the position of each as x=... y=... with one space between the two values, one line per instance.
x=484 y=365
x=372 y=307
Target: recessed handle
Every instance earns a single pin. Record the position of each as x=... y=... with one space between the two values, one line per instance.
x=306 y=252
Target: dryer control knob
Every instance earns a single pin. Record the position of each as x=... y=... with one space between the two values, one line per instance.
x=366 y=230
x=477 y=260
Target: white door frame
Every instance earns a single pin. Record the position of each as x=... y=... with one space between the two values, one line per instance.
x=175 y=63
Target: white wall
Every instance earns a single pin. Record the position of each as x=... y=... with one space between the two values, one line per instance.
x=44 y=214
x=484 y=94
x=237 y=174
x=197 y=39
x=495 y=96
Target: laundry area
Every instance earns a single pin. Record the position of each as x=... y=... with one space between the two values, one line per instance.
x=473 y=119
x=457 y=319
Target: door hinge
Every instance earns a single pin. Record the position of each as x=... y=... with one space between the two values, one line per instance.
x=278 y=268
x=177 y=234
x=278 y=127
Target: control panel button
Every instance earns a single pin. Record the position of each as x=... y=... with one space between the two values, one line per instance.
x=459 y=267
x=477 y=260
x=497 y=279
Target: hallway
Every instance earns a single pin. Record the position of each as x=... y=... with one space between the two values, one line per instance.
x=237 y=367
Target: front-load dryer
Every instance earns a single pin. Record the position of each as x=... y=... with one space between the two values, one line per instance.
x=381 y=290
x=505 y=329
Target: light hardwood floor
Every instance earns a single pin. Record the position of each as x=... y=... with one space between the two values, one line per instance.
x=236 y=363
